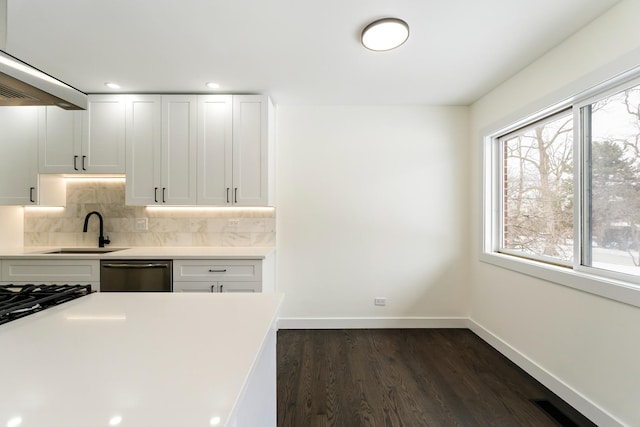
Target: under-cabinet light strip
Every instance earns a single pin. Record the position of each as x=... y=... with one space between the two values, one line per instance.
x=44 y=208
x=94 y=179
x=211 y=208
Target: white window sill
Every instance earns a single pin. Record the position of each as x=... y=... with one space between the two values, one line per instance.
x=608 y=288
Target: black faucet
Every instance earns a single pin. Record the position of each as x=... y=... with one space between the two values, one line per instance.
x=101 y=240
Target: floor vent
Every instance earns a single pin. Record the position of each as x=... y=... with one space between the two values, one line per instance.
x=555 y=413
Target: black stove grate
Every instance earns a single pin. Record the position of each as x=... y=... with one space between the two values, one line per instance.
x=17 y=301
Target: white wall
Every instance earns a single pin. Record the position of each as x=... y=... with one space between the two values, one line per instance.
x=371 y=201
x=588 y=343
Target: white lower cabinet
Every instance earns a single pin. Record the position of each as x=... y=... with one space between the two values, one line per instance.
x=51 y=271
x=217 y=275
x=217 y=287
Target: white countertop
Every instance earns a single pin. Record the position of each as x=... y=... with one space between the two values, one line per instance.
x=146 y=252
x=154 y=359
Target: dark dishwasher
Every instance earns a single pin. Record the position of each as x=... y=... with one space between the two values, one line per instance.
x=136 y=276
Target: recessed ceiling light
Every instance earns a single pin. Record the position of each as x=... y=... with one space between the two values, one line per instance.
x=212 y=85
x=385 y=34
x=112 y=85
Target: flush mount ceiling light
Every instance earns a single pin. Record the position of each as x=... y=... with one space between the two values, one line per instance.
x=385 y=34
x=112 y=85
x=213 y=85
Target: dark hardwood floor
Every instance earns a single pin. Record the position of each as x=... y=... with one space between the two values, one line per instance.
x=406 y=377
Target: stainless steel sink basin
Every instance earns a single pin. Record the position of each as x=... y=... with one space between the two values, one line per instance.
x=83 y=250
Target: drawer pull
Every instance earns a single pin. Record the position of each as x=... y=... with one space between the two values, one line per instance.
x=135 y=266
x=217 y=271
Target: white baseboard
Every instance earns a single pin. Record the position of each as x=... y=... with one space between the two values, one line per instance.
x=568 y=394
x=372 y=322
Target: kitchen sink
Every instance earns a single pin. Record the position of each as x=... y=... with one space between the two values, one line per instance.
x=83 y=250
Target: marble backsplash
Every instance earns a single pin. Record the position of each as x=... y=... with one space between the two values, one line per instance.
x=166 y=227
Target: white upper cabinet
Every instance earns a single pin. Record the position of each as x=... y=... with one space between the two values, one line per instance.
x=20 y=183
x=143 y=128
x=18 y=155
x=211 y=150
x=235 y=160
x=179 y=149
x=60 y=142
x=91 y=141
x=103 y=142
x=215 y=150
x=251 y=150
x=161 y=150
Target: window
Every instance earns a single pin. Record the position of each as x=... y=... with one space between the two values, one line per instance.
x=537 y=183
x=612 y=189
x=562 y=189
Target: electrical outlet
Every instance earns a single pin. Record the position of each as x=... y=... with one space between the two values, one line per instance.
x=380 y=301
x=233 y=222
x=142 y=224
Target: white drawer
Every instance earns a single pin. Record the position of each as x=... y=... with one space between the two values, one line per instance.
x=50 y=271
x=217 y=270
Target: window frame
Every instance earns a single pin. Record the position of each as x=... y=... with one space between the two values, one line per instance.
x=583 y=219
x=609 y=284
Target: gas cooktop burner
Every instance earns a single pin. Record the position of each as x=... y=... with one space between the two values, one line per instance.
x=17 y=301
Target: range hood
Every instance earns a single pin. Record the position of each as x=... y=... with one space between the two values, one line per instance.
x=22 y=84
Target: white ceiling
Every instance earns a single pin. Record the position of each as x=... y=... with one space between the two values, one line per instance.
x=297 y=51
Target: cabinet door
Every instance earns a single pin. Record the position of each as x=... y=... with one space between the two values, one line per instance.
x=18 y=155
x=250 y=143
x=143 y=185
x=215 y=150
x=103 y=145
x=60 y=141
x=209 y=287
x=179 y=149
x=239 y=287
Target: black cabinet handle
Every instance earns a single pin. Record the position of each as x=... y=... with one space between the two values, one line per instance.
x=31 y=190
x=155 y=194
x=212 y=288
x=217 y=271
x=83 y=163
x=164 y=194
x=75 y=163
x=235 y=195
x=227 y=194
x=221 y=288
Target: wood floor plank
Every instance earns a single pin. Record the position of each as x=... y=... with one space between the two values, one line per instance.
x=398 y=378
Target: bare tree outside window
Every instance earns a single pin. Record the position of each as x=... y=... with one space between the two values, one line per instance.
x=538 y=190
